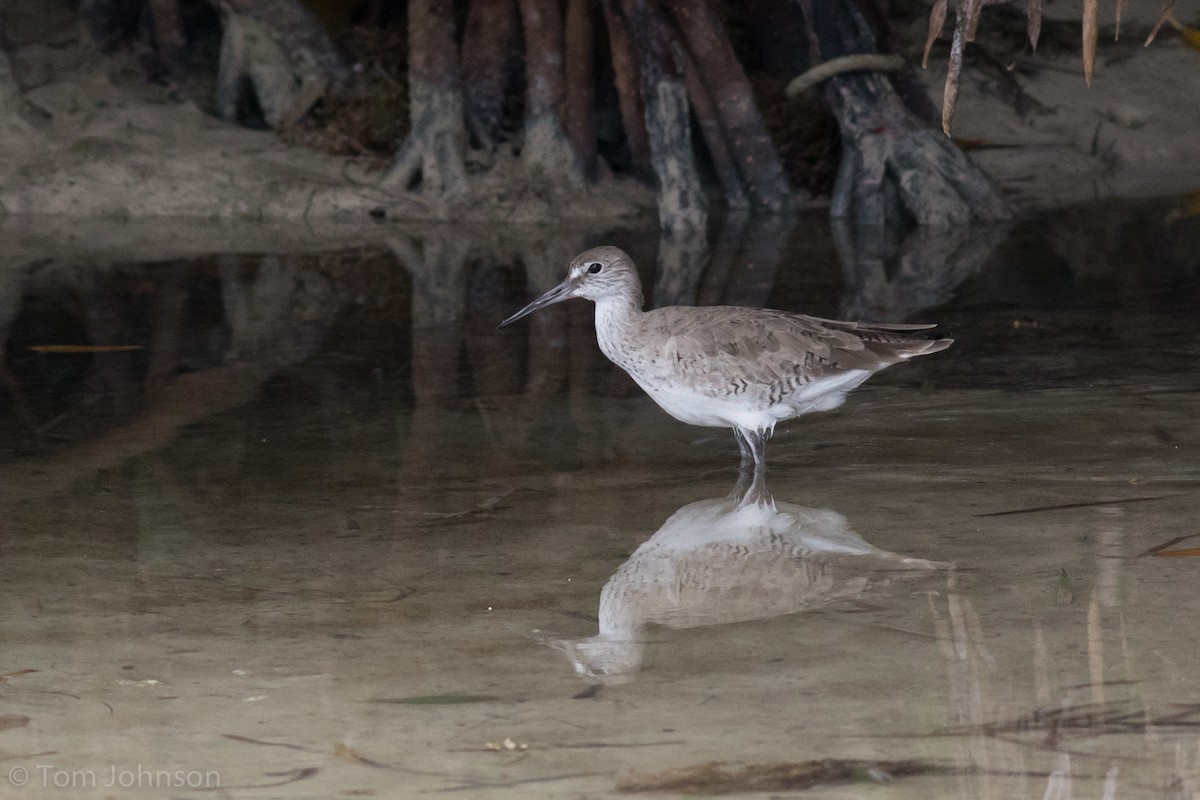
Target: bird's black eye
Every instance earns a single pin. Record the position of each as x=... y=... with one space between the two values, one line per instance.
x=595 y=267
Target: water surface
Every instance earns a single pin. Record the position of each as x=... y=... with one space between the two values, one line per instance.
x=327 y=532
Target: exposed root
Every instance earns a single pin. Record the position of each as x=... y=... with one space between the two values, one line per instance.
x=434 y=149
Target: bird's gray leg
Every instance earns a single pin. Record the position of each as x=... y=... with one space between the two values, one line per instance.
x=744 y=448
x=753 y=445
x=757 y=441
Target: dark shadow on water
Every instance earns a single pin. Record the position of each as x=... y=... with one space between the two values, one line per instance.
x=1096 y=294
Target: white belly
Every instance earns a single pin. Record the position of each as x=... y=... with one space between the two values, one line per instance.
x=751 y=411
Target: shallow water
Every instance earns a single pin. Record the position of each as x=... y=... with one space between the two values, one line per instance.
x=328 y=533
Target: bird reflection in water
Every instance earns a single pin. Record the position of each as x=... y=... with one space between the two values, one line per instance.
x=733 y=559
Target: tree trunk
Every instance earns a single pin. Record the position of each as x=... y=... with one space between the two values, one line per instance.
x=737 y=111
x=579 y=112
x=779 y=37
x=107 y=22
x=709 y=121
x=628 y=85
x=169 y=35
x=489 y=49
x=300 y=32
x=281 y=51
x=434 y=150
x=546 y=148
x=894 y=166
x=681 y=203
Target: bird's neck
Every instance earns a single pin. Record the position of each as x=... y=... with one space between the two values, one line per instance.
x=615 y=319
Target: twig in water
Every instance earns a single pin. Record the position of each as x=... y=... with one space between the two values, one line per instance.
x=1088 y=504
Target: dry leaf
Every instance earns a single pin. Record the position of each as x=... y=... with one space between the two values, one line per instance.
x=1187 y=552
x=347 y=753
x=1190 y=207
x=1033 y=22
x=1120 y=7
x=954 y=69
x=8 y=675
x=1163 y=16
x=1091 y=9
x=975 y=8
x=937 y=19
x=1158 y=548
x=344 y=751
x=1191 y=36
x=235 y=737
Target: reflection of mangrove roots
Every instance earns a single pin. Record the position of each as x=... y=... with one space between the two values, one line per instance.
x=12 y=387
x=900 y=277
x=1052 y=725
x=189 y=398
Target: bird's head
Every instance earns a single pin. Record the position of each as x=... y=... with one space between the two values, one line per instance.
x=596 y=274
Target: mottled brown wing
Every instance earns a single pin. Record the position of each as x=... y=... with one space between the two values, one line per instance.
x=716 y=347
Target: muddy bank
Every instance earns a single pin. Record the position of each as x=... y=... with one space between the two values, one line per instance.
x=1050 y=141
x=86 y=146
x=92 y=144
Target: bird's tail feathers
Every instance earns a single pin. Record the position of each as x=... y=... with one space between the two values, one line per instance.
x=925 y=347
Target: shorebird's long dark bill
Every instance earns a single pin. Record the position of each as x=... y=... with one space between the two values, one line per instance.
x=555 y=295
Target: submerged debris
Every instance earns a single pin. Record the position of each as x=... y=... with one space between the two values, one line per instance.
x=1087 y=504
x=1163 y=550
x=437 y=699
x=717 y=777
x=4 y=677
x=1064 y=595
x=507 y=744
